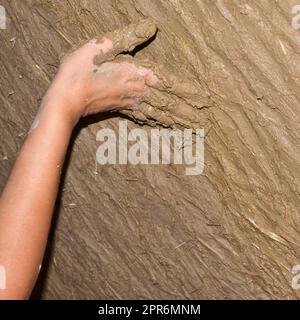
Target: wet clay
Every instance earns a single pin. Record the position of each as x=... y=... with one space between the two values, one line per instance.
x=173 y=103
x=149 y=231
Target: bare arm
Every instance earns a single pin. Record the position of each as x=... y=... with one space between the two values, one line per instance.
x=27 y=202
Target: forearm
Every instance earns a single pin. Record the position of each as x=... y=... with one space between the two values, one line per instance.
x=28 y=199
x=80 y=88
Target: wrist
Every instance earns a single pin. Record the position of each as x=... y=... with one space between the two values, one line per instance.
x=58 y=108
x=66 y=108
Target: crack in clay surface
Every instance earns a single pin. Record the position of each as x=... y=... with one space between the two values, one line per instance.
x=150 y=232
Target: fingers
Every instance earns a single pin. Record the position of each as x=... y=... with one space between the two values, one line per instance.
x=151 y=79
x=132 y=35
x=139 y=72
x=104 y=45
x=136 y=90
x=126 y=39
x=148 y=71
x=132 y=103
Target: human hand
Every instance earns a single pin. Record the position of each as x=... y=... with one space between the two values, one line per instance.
x=85 y=88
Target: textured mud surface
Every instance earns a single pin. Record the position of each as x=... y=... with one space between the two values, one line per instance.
x=230 y=67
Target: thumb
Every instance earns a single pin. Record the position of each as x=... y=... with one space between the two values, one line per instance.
x=128 y=38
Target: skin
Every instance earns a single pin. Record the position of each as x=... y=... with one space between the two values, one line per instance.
x=27 y=202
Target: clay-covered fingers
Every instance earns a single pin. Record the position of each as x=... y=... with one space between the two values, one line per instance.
x=143 y=79
x=147 y=69
x=136 y=73
x=124 y=83
x=127 y=39
x=151 y=80
x=132 y=103
x=102 y=46
x=134 y=91
x=149 y=77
